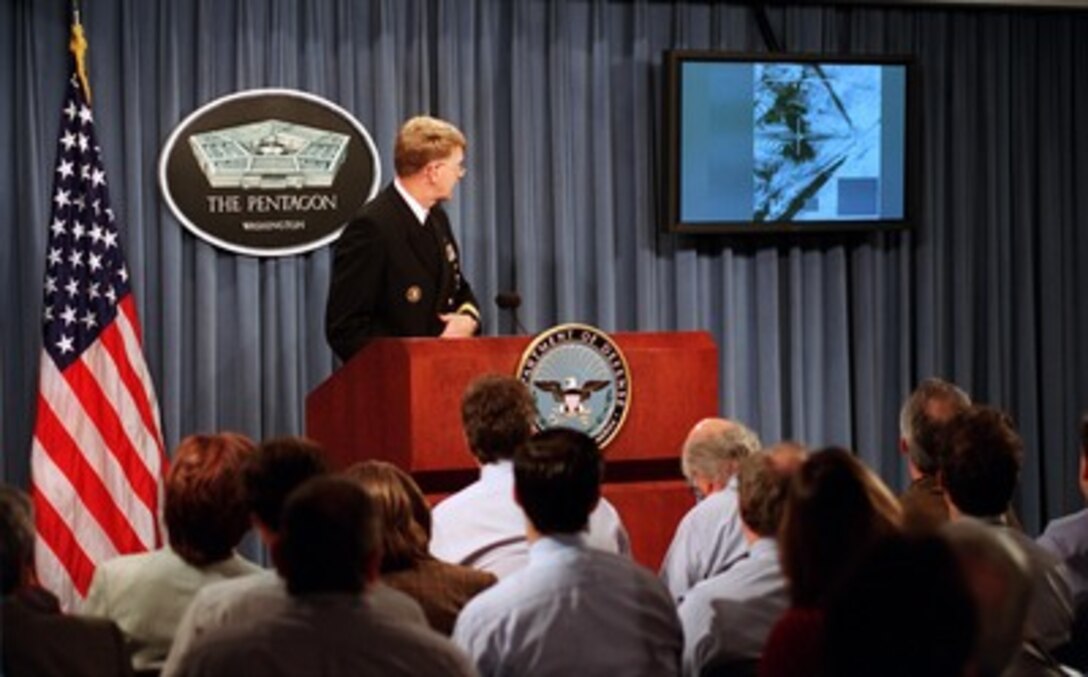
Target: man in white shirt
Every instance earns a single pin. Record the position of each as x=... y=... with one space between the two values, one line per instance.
x=572 y=609
x=328 y=553
x=728 y=617
x=709 y=538
x=481 y=526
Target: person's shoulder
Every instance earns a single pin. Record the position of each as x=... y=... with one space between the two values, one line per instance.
x=592 y=564
x=392 y=604
x=508 y=592
x=1074 y=526
x=748 y=579
x=429 y=651
x=223 y=649
x=714 y=511
x=605 y=514
x=237 y=566
x=1040 y=556
x=223 y=594
x=131 y=567
x=70 y=643
x=459 y=575
x=705 y=591
x=467 y=499
x=379 y=215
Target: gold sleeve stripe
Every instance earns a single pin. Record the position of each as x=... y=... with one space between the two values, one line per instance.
x=469 y=309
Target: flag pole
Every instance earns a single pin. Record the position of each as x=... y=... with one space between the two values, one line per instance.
x=78 y=45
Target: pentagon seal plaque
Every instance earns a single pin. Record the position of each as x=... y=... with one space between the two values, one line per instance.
x=579 y=379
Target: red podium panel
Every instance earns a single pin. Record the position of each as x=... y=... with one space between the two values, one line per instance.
x=399 y=400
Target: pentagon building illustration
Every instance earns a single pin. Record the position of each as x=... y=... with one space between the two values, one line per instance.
x=270 y=154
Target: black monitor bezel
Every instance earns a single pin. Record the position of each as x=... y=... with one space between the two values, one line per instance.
x=672 y=63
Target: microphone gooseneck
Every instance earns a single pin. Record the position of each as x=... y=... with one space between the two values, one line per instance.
x=511 y=300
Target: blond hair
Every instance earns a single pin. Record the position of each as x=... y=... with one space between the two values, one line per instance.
x=422 y=140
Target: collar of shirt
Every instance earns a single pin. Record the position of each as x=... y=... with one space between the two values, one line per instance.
x=555 y=546
x=413 y=204
x=499 y=472
x=763 y=548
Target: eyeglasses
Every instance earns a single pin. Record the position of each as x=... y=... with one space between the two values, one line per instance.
x=459 y=167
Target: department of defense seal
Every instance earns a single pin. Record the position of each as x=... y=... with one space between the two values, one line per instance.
x=579 y=379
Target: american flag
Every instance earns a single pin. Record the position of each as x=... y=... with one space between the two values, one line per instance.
x=97 y=456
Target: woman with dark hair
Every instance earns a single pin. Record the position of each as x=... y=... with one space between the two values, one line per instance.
x=442 y=589
x=836 y=510
x=206 y=515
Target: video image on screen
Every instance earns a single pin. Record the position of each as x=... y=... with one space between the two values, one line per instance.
x=788 y=141
x=817 y=142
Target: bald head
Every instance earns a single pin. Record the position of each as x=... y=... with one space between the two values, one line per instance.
x=713 y=451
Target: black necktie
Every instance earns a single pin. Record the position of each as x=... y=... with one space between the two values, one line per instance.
x=428 y=244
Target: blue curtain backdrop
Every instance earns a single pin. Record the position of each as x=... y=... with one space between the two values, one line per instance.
x=820 y=337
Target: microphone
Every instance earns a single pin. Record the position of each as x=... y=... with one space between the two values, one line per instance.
x=511 y=300
x=508 y=300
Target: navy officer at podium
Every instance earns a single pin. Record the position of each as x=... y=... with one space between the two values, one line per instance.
x=396 y=267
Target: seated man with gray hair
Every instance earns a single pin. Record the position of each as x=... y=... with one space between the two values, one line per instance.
x=932 y=404
x=727 y=618
x=709 y=537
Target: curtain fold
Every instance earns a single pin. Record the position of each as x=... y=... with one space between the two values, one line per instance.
x=820 y=338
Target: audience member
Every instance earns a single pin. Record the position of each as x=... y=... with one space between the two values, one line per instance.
x=932 y=404
x=979 y=471
x=727 y=618
x=999 y=577
x=709 y=538
x=279 y=467
x=904 y=588
x=38 y=640
x=836 y=510
x=572 y=609
x=328 y=552
x=404 y=520
x=1067 y=537
x=205 y=515
x=481 y=526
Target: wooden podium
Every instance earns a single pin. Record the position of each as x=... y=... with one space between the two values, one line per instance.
x=399 y=400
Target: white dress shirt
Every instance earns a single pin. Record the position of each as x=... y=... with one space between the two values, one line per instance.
x=327 y=634
x=482 y=526
x=707 y=541
x=728 y=617
x=572 y=611
x=240 y=600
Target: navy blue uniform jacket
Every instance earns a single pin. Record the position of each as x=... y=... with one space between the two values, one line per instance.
x=392 y=277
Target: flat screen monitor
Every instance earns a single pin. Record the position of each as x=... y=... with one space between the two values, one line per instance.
x=787 y=143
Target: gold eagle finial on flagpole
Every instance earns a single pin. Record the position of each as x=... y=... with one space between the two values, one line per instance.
x=78 y=45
